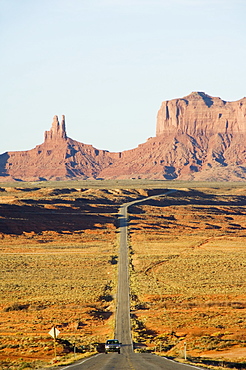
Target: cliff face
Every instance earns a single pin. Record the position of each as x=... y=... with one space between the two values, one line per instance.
x=183 y=157
x=198 y=137
x=57 y=131
x=201 y=114
x=59 y=157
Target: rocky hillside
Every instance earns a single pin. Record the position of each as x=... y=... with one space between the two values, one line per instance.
x=201 y=114
x=59 y=157
x=198 y=137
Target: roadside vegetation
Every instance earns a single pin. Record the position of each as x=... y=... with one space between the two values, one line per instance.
x=188 y=273
x=58 y=267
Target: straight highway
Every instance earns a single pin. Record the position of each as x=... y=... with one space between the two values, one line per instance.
x=127 y=360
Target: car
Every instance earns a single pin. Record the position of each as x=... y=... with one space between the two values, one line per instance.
x=112 y=345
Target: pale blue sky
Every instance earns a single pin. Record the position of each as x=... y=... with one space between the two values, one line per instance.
x=108 y=64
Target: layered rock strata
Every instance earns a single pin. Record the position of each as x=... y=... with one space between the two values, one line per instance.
x=58 y=158
x=57 y=131
x=198 y=137
x=201 y=114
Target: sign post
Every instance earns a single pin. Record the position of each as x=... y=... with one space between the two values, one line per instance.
x=185 y=350
x=54 y=333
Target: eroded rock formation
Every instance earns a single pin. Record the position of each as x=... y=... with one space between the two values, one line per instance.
x=57 y=131
x=59 y=157
x=198 y=137
x=201 y=114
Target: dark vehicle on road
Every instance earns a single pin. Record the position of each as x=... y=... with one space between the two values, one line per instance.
x=112 y=345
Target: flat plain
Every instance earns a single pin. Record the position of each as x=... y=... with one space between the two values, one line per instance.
x=59 y=245
x=188 y=273
x=58 y=266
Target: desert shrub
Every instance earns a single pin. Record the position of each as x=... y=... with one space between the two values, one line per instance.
x=16 y=307
x=99 y=313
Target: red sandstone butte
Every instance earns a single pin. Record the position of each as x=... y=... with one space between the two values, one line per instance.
x=198 y=137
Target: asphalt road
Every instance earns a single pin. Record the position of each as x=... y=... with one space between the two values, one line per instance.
x=127 y=360
x=122 y=325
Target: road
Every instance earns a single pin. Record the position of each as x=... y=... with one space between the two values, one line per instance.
x=127 y=360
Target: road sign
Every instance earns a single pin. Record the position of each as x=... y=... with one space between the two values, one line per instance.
x=54 y=332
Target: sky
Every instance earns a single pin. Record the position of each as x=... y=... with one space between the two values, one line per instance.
x=107 y=65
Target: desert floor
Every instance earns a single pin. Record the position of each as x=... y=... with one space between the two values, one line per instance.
x=59 y=245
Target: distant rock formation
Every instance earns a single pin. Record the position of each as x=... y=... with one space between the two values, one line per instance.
x=200 y=114
x=57 y=131
x=58 y=158
x=198 y=137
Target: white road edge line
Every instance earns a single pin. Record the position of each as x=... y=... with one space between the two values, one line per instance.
x=79 y=363
x=180 y=363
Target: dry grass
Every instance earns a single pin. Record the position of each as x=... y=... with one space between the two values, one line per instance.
x=58 y=267
x=73 y=290
x=188 y=271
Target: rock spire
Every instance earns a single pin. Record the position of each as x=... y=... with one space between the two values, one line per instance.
x=57 y=131
x=198 y=137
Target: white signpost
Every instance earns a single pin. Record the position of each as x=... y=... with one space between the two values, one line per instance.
x=54 y=333
x=185 y=351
